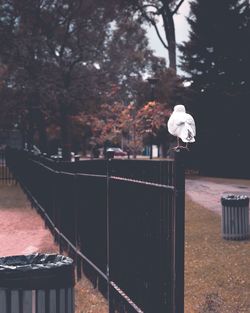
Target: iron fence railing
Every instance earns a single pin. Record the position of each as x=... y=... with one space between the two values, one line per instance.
x=122 y=221
x=6 y=177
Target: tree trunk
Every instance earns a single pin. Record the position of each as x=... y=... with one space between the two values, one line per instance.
x=64 y=110
x=168 y=23
x=41 y=130
x=31 y=131
x=66 y=147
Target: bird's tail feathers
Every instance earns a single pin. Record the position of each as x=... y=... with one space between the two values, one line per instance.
x=187 y=134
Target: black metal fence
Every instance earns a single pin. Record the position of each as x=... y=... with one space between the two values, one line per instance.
x=6 y=177
x=121 y=220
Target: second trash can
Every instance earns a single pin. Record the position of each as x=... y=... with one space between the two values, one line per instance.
x=235 y=217
x=37 y=283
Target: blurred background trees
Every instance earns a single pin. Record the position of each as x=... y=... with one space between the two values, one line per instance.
x=61 y=59
x=216 y=59
x=74 y=74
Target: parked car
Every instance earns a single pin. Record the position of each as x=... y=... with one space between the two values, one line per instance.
x=116 y=153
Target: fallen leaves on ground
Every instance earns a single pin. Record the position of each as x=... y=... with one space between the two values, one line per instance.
x=88 y=299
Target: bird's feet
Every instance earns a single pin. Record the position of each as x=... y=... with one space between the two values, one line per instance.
x=180 y=148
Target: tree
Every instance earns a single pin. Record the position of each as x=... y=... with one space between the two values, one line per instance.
x=124 y=125
x=66 y=57
x=50 y=48
x=128 y=60
x=150 y=11
x=111 y=123
x=216 y=60
x=151 y=120
x=70 y=58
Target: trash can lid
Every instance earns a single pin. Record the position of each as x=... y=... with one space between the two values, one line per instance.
x=235 y=200
x=36 y=271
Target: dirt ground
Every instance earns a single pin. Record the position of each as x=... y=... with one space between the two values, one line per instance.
x=22 y=231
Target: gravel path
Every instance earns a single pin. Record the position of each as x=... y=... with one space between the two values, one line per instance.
x=21 y=228
x=208 y=193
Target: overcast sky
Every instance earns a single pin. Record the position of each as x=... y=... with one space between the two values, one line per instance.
x=181 y=31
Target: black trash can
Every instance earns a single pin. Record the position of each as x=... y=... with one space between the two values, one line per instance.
x=37 y=283
x=235 y=217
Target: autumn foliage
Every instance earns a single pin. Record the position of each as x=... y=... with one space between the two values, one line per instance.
x=123 y=125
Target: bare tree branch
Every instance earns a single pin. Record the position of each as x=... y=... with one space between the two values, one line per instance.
x=150 y=6
x=177 y=7
x=159 y=35
x=152 y=21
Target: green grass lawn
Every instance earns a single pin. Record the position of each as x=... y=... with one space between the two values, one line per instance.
x=217 y=272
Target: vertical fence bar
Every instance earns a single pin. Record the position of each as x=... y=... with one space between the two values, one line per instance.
x=6 y=177
x=109 y=289
x=179 y=232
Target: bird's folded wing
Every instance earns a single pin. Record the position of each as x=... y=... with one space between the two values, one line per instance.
x=190 y=121
x=172 y=125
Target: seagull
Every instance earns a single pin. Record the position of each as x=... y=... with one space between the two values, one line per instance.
x=182 y=125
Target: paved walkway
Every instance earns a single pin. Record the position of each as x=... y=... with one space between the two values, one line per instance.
x=207 y=192
x=21 y=228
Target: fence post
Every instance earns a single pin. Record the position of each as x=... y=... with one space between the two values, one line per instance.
x=109 y=289
x=179 y=230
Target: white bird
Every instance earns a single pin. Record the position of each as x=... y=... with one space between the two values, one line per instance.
x=182 y=125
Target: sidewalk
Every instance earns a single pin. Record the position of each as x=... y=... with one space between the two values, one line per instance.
x=207 y=191
x=22 y=230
